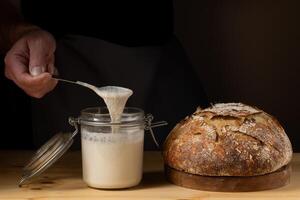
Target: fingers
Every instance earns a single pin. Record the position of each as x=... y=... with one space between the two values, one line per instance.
x=39 y=85
x=35 y=86
x=47 y=67
x=16 y=65
x=51 y=67
x=30 y=64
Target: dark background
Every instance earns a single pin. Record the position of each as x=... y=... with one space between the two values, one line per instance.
x=247 y=51
x=243 y=51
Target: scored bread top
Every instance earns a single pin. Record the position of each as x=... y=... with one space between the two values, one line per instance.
x=228 y=139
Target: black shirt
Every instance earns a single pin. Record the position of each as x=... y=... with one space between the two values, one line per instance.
x=130 y=22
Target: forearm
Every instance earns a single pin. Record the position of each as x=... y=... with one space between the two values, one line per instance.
x=12 y=25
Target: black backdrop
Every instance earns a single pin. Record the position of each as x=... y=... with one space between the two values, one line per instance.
x=16 y=115
x=243 y=51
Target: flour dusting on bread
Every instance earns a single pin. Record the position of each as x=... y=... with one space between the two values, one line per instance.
x=228 y=139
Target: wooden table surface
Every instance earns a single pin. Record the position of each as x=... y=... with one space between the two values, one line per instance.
x=63 y=182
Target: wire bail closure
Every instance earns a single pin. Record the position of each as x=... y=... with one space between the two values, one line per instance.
x=148 y=126
x=74 y=122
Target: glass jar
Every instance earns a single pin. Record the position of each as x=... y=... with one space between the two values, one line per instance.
x=112 y=153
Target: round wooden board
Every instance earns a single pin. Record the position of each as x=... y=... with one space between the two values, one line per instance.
x=273 y=180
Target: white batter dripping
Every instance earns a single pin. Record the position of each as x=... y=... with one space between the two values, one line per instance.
x=112 y=160
x=114 y=97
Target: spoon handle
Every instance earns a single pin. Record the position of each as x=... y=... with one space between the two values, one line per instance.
x=92 y=87
x=64 y=80
x=69 y=81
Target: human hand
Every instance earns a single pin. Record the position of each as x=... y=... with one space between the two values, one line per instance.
x=30 y=63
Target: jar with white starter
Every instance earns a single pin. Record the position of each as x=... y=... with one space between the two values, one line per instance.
x=112 y=153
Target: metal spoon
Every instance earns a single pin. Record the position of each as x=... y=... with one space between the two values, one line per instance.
x=101 y=91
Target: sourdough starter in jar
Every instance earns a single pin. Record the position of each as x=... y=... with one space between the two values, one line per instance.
x=112 y=155
x=112 y=160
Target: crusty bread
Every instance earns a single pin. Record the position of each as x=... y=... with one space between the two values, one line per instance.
x=228 y=139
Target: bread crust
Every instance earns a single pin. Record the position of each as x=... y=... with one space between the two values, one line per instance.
x=231 y=139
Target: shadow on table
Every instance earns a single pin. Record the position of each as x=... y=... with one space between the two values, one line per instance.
x=56 y=182
x=151 y=180
x=50 y=183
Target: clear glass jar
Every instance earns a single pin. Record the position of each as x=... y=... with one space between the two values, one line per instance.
x=112 y=153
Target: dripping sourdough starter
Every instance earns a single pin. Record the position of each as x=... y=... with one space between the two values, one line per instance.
x=112 y=155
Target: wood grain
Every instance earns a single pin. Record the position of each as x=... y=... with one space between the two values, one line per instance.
x=63 y=181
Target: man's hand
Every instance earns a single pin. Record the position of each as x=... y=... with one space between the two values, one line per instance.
x=30 y=63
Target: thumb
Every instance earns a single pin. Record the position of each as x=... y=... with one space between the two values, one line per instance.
x=41 y=52
x=37 y=70
x=37 y=61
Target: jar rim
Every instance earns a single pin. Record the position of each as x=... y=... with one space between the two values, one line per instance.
x=100 y=116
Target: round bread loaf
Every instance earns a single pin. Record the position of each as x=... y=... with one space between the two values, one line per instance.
x=228 y=139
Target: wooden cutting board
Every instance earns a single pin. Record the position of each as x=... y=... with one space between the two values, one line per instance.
x=273 y=180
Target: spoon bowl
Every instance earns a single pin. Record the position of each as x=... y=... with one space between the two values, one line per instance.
x=105 y=91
